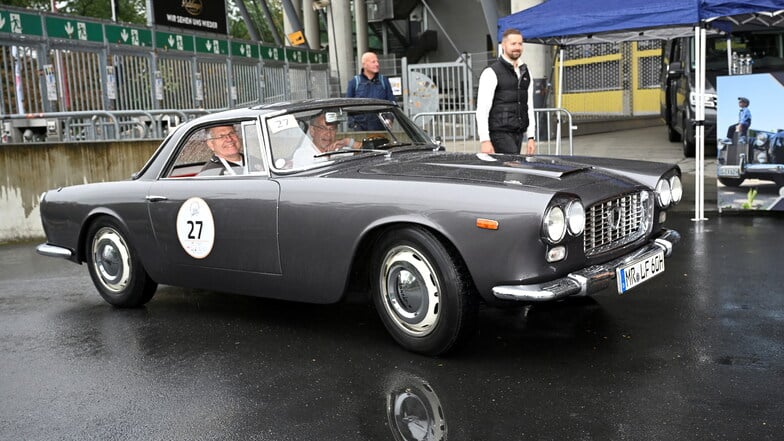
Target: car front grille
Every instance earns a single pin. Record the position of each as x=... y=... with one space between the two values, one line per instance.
x=616 y=222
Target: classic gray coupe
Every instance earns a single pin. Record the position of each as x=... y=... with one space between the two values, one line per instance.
x=344 y=197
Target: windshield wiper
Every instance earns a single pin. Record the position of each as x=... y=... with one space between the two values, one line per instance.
x=349 y=150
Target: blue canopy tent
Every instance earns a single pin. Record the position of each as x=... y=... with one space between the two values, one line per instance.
x=579 y=21
x=565 y=22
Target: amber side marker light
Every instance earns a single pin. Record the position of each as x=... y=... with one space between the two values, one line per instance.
x=487 y=224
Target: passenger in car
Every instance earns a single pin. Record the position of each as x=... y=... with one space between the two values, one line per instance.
x=226 y=151
x=321 y=139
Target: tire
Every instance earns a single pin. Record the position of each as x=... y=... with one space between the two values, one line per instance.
x=689 y=147
x=114 y=266
x=421 y=292
x=731 y=182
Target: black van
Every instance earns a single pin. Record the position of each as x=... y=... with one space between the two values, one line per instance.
x=677 y=97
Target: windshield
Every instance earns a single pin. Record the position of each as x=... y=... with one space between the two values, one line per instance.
x=305 y=139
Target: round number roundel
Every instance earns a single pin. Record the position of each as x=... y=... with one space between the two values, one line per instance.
x=196 y=228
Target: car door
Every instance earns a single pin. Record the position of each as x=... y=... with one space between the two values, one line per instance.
x=220 y=224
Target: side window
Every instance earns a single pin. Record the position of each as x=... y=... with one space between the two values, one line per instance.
x=676 y=51
x=193 y=154
x=216 y=150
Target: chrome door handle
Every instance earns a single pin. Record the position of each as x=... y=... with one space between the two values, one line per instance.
x=153 y=198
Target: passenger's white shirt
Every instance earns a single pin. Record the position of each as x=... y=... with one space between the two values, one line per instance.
x=304 y=155
x=488 y=81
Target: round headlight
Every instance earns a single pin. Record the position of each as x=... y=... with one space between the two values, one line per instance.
x=676 y=189
x=663 y=193
x=554 y=224
x=575 y=217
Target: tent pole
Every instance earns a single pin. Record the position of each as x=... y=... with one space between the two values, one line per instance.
x=699 y=181
x=560 y=77
x=560 y=103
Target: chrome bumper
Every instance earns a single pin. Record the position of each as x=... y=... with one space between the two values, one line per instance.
x=53 y=251
x=587 y=280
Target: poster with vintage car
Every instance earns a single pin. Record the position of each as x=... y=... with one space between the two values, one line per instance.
x=750 y=144
x=326 y=200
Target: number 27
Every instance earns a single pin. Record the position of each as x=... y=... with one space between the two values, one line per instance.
x=193 y=224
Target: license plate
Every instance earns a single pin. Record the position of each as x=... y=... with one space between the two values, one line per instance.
x=729 y=171
x=639 y=271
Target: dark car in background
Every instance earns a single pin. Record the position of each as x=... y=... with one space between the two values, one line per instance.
x=424 y=234
x=757 y=52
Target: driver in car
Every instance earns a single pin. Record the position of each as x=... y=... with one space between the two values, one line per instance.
x=321 y=139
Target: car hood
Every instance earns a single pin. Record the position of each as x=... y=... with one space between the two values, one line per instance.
x=554 y=173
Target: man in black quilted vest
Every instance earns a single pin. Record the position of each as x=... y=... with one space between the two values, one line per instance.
x=504 y=105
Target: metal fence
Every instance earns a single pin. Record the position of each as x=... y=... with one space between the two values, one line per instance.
x=54 y=68
x=457 y=130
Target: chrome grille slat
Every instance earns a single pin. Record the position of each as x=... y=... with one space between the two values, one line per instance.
x=613 y=223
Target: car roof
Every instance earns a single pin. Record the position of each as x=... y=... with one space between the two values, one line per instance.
x=289 y=106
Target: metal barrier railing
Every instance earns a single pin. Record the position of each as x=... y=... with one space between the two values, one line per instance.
x=47 y=68
x=106 y=125
x=457 y=129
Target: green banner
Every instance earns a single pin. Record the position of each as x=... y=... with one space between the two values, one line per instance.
x=175 y=42
x=69 y=29
x=128 y=36
x=214 y=46
x=296 y=56
x=245 y=50
x=21 y=23
x=318 y=57
x=272 y=53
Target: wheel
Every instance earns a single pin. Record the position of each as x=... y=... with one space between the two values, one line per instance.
x=421 y=292
x=115 y=267
x=731 y=182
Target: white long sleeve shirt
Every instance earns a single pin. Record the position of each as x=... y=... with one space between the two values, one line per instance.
x=484 y=101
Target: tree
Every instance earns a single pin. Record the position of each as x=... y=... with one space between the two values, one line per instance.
x=41 y=5
x=237 y=28
x=128 y=11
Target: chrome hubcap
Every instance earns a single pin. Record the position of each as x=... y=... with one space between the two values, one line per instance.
x=410 y=291
x=111 y=259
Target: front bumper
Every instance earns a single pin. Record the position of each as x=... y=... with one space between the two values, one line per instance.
x=750 y=171
x=54 y=251
x=587 y=280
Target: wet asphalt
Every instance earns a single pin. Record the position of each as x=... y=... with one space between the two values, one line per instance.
x=696 y=353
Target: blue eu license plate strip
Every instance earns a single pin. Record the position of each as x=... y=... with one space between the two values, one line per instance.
x=639 y=271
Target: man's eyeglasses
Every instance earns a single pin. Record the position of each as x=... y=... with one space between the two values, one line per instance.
x=326 y=128
x=227 y=135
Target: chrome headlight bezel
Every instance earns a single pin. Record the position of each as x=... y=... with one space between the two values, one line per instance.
x=554 y=224
x=575 y=217
x=563 y=218
x=676 y=189
x=663 y=193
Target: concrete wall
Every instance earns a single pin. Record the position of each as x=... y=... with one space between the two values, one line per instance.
x=27 y=170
